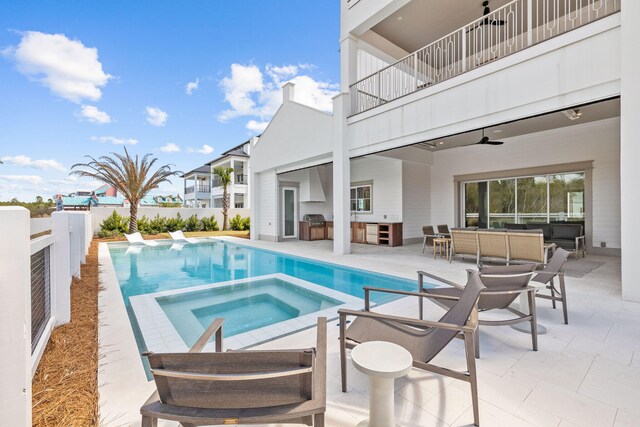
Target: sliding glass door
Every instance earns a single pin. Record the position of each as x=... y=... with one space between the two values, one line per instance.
x=530 y=199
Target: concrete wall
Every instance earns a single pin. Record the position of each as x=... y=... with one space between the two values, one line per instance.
x=100 y=213
x=416 y=199
x=550 y=76
x=597 y=141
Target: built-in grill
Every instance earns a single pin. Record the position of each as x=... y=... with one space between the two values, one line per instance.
x=312 y=227
x=314 y=220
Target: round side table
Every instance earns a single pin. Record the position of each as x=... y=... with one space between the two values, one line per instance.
x=382 y=362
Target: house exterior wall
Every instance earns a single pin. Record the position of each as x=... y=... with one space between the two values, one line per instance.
x=598 y=142
x=416 y=200
x=267 y=199
x=386 y=177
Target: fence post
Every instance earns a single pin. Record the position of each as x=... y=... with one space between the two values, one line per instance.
x=61 y=266
x=15 y=316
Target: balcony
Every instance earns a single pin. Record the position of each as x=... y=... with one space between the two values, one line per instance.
x=241 y=179
x=507 y=30
x=197 y=188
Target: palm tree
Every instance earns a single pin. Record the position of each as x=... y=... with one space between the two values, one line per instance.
x=131 y=176
x=224 y=175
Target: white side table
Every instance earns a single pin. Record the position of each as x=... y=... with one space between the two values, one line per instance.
x=382 y=362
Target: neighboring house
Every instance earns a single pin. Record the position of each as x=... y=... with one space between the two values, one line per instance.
x=108 y=196
x=202 y=188
x=422 y=83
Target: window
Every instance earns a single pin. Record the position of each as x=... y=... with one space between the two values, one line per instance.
x=533 y=199
x=361 y=198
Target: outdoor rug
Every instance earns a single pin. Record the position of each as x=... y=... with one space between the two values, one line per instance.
x=581 y=266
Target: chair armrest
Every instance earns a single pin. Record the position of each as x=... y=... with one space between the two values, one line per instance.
x=509 y=291
x=405 y=320
x=368 y=289
x=422 y=274
x=214 y=328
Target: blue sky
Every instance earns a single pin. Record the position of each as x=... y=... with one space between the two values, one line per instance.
x=90 y=77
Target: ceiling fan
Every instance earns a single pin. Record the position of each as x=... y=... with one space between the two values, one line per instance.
x=487 y=141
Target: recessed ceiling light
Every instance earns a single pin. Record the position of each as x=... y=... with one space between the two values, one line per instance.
x=399 y=18
x=497 y=130
x=572 y=114
x=441 y=142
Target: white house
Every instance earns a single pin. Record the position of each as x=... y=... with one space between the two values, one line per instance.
x=423 y=82
x=202 y=188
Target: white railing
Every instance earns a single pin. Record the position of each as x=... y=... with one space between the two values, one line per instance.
x=509 y=29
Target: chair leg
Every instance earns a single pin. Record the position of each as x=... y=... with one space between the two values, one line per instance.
x=343 y=353
x=318 y=420
x=471 y=352
x=553 y=294
x=563 y=295
x=476 y=342
x=534 y=324
x=424 y=243
x=149 y=422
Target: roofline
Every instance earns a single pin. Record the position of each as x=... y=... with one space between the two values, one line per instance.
x=226 y=153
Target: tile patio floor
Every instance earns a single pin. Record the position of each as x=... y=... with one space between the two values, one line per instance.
x=586 y=373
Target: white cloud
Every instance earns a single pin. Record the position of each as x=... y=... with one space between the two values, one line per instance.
x=67 y=67
x=170 y=147
x=192 y=86
x=26 y=161
x=29 y=179
x=251 y=92
x=205 y=149
x=115 y=141
x=156 y=116
x=256 y=126
x=94 y=115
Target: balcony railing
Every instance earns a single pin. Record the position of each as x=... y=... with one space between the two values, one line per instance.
x=241 y=179
x=509 y=29
x=198 y=188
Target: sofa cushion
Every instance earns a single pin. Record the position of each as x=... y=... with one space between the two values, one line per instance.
x=567 y=244
x=511 y=226
x=566 y=231
x=545 y=227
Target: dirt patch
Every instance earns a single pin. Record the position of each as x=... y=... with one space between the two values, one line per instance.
x=65 y=387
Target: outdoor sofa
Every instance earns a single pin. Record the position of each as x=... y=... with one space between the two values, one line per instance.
x=569 y=236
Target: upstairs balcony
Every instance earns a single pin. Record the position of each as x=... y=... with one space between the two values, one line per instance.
x=511 y=28
x=200 y=188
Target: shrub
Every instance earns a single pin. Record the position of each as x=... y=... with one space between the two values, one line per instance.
x=114 y=225
x=174 y=224
x=143 y=225
x=239 y=224
x=192 y=224
x=209 y=224
x=158 y=225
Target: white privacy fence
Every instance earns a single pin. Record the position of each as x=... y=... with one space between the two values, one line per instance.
x=509 y=29
x=35 y=289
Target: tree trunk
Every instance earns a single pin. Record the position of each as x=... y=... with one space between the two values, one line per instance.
x=133 y=218
x=225 y=207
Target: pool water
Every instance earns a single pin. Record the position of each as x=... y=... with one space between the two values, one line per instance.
x=244 y=306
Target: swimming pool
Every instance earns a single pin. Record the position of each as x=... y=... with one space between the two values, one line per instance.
x=169 y=272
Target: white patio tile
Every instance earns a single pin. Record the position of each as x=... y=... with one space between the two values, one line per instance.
x=571 y=406
x=449 y=405
x=556 y=368
x=493 y=416
x=626 y=419
x=613 y=383
x=536 y=416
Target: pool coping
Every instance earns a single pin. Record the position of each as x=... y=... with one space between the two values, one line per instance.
x=160 y=335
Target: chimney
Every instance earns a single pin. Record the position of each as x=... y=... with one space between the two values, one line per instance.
x=288 y=92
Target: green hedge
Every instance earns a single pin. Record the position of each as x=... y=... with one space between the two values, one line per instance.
x=239 y=224
x=116 y=225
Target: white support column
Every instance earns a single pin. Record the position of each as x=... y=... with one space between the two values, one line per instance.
x=61 y=262
x=630 y=150
x=232 y=186
x=15 y=317
x=254 y=231
x=341 y=178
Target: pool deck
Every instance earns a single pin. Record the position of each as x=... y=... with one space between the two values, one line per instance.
x=586 y=373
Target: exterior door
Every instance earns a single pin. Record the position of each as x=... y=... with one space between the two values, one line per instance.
x=289 y=213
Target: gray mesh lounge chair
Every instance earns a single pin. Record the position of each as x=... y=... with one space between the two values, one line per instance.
x=464 y=242
x=552 y=270
x=240 y=387
x=423 y=339
x=443 y=230
x=428 y=236
x=504 y=284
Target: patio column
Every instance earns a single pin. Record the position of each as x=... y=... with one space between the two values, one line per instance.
x=630 y=150
x=254 y=231
x=341 y=178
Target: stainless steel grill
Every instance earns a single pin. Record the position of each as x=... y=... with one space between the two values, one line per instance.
x=314 y=220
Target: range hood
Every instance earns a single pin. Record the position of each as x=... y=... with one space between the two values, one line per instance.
x=311 y=190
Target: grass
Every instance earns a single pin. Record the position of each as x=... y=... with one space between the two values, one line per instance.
x=65 y=386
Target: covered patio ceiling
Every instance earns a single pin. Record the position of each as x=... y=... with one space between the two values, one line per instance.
x=570 y=117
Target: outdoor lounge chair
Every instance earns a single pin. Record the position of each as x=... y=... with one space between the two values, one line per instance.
x=492 y=245
x=179 y=235
x=423 y=339
x=503 y=285
x=429 y=235
x=552 y=270
x=443 y=230
x=464 y=242
x=526 y=246
x=136 y=239
x=239 y=387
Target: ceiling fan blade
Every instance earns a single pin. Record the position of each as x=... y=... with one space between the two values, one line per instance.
x=494 y=142
x=484 y=140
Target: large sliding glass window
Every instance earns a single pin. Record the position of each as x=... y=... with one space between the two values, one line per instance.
x=543 y=198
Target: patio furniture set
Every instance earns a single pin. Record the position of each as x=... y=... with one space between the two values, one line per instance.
x=289 y=386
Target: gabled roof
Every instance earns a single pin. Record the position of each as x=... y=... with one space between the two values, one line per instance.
x=235 y=151
x=202 y=169
x=84 y=200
